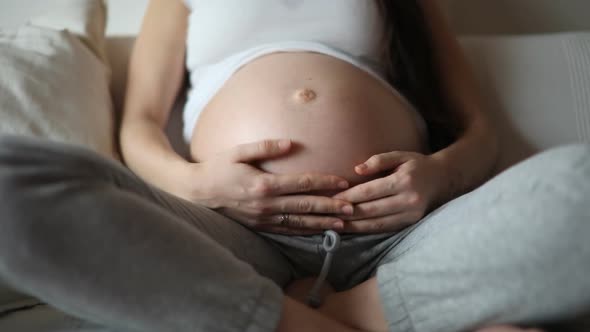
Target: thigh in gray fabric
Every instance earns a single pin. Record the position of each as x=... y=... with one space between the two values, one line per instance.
x=88 y=236
x=515 y=250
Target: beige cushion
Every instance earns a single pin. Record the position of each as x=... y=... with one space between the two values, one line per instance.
x=53 y=83
x=537 y=87
x=52 y=86
x=44 y=318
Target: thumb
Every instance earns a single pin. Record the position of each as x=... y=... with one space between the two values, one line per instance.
x=265 y=149
x=382 y=162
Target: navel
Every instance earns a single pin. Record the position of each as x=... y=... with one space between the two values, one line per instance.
x=304 y=95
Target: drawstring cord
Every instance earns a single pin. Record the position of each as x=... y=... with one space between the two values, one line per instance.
x=331 y=243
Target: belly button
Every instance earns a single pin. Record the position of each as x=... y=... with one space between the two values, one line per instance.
x=304 y=95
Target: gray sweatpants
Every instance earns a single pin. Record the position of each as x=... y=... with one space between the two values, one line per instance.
x=88 y=236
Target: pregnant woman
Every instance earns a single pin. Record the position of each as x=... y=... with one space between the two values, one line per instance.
x=341 y=139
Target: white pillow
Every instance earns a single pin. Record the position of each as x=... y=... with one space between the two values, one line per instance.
x=537 y=87
x=53 y=84
x=86 y=19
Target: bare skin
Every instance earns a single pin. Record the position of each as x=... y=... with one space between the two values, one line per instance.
x=299 y=317
x=358 y=307
x=304 y=95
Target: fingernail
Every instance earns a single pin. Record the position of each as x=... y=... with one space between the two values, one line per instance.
x=338 y=225
x=284 y=143
x=343 y=184
x=362 y=167
x=347 y=209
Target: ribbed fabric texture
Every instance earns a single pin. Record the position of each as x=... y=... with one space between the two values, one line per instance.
x=577 y=49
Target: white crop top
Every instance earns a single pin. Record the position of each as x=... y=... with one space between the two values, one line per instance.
x=224 y=35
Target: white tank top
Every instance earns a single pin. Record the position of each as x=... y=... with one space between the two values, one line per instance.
x=224 y=35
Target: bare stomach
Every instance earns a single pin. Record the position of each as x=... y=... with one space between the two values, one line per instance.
x=336 y=114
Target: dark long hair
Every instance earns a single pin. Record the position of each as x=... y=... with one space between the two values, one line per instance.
x=408 y=54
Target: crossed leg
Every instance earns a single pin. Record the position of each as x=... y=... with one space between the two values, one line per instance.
x=91 y=242
x=514 y=251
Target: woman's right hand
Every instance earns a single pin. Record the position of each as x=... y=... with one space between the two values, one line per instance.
x=230 y=184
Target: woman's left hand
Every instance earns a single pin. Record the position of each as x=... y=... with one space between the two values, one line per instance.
x=415 y=182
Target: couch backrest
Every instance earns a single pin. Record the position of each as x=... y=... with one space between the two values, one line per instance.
x=517 y=16
x=467 y=16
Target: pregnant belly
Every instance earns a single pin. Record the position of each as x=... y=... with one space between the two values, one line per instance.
x=336 y=114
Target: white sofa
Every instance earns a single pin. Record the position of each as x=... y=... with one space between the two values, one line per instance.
x=532 y=58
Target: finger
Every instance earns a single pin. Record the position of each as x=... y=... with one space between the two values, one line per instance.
x=382 y=162
x=295 y=204
x=302 y=221
x=265 y=149
x=391 y=223
x=311 y=223
x=304 y=204
x=283 y=184
x=288 y=231
x=371 y=190
x=381 y=207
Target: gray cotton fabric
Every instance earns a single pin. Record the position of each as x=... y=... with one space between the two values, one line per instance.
x=91 y=238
